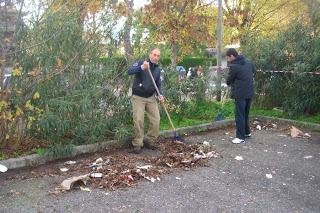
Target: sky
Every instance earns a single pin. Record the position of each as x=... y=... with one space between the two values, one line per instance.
x=31 y=5
x=140 y=3
x=31 y=8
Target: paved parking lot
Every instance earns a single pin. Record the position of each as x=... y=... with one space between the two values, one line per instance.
x=271 y=172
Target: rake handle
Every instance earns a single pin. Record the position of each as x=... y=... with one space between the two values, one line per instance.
x=158 y=92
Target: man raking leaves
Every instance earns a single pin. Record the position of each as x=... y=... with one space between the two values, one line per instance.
x=146 y=84
x=144 y=100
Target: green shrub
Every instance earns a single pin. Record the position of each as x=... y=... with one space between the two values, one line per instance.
x=295 y=49
x=60 y=150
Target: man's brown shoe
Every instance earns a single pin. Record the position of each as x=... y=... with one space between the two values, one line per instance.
x=136 y=150
x=150 y=146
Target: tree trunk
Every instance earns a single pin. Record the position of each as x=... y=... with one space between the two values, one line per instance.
x=3 y=123
x=127 y=30
x=174 y=55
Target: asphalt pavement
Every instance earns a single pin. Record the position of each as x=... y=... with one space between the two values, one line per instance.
x=270 y=172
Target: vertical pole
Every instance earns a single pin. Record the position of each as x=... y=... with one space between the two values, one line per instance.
x=219 y=49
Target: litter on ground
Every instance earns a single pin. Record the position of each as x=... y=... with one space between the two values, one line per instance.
x=70 y=162
x=116 y=170
x=3 y=168
x=64 y=169
x=238 y=158
x=297 y=133
x=71 y=182
x=269 y=176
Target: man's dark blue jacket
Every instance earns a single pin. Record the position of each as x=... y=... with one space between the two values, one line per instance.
x=241 y=78
x=142 y=84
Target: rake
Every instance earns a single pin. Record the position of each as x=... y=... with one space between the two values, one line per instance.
x=220 y=115
x=177 y=137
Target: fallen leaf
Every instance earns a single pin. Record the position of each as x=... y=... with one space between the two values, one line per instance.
x=85 y=189
x=169 y=165
x=99 y=160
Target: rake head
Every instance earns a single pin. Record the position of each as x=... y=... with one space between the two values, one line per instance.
x=178 y=138
x=219 y=117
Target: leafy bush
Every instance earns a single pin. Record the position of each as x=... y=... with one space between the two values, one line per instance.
x=60 y=150
x=295 y=49
x=77 y=96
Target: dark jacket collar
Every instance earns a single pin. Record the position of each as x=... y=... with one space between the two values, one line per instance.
x=240 y=59
x=152 y=65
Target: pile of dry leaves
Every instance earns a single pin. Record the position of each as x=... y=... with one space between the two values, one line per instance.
x=121 y=169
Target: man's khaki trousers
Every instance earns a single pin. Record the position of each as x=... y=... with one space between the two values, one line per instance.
x=150 y=106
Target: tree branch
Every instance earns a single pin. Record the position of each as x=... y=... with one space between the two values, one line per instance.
x=266 y=19
x=29 y=47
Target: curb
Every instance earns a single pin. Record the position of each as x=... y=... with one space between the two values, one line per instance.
x=313 y=126
x=36 y=160
x=198 y=128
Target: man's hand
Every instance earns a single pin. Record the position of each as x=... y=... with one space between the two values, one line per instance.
x=161 y=99
x=145 y=66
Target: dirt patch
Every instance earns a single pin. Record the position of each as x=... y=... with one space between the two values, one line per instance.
x=121 y=169
x=27 y=146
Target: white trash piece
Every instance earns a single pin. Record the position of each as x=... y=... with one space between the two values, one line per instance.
x=307 y=135
x=238 y=158
x=70 y=162
x=269 y=176
x=96 y=175
x=64 y=169
x=146 y=167
x=3 y=168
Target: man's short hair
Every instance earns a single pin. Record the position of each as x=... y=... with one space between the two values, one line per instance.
x=152 y=49
x=232 y=51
